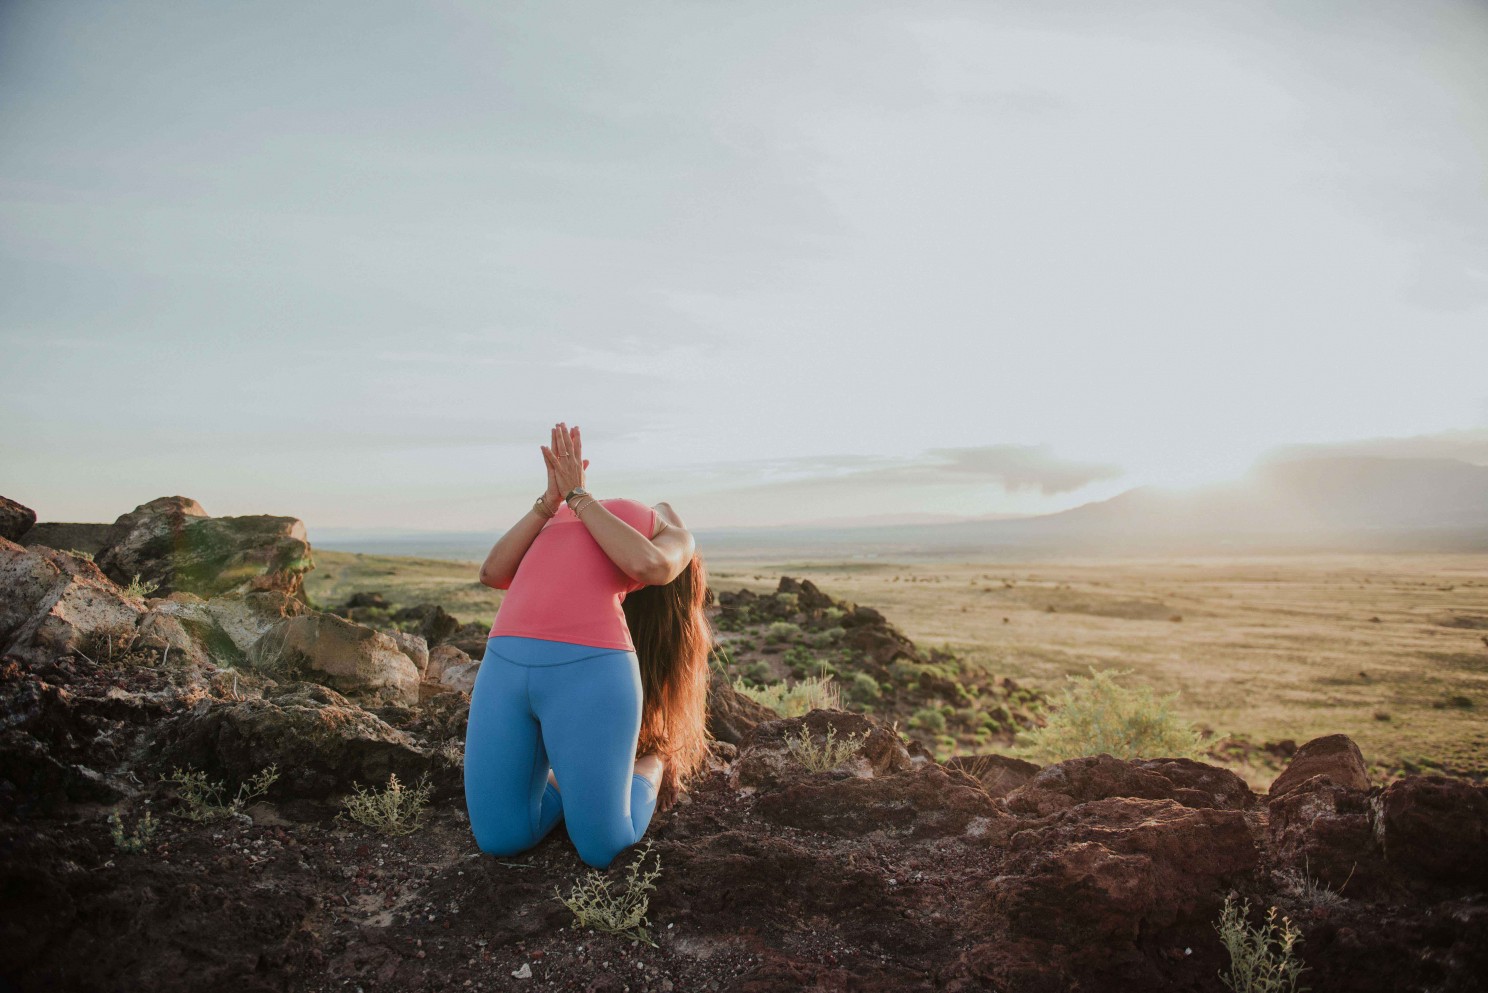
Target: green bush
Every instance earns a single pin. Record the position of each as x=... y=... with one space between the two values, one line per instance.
x=904 y=672
x=795 y=699
x=782 y=631
x=790 y=601
x=928 y=719
x=826 y=636
x=1095 y=716
x=755 y=673
x=863 y=688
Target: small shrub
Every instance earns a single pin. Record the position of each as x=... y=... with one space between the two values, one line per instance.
x=795 y=699
x=829 y=755
x=790 y=601
x=395 y=810
x=137 y=590
x=596 y=906
x=827 y=636
x=798 y=658
x=1262 y=959
x=782 y=631
x=80 y=553
x=452 y=751
x=271 y=657
x=206 y=800
x=755 y=674
x=111 y=646
x=1098 y=716
x=1315 y=894
x=928 y=719
x=833 y=613
x=720 y=658
x=136 y=840
x=862 y=688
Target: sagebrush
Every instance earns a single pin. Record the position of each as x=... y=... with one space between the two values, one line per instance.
x=206 y=800
x=394 y=810
x=1097 y=715
x=615 y=911
x=1263 y=959
x=829 y=754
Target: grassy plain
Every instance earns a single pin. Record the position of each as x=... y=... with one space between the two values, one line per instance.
x=1388 y=649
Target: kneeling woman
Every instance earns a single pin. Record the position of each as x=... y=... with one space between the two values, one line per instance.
x=600 y=645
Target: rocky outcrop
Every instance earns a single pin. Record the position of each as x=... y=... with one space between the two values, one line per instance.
x=15 y=519
x=356 y=660
x=173 y=543
x=53 y=601
x=1333 y=758
x=320 y=741
x=1099 y=777
x=442 y=657
x=732 y=714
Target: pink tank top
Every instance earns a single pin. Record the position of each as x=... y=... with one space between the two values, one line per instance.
x=567 y=589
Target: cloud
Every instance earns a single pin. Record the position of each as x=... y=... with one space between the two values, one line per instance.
x=1013 y=467
x=1466 y=444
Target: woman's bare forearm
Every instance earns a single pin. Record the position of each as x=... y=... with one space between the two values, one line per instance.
x=501 y=565
x=630 y=550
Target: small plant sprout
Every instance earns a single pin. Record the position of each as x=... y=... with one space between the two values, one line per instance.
x=1263 y=959
x=394 y=810
x=206 y=800
x=452 y=751
x=135 y=841
x=829 y=755
x=1301 y=884
x=595 y=905
x=137 y=590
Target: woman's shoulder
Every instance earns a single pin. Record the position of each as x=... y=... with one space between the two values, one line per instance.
x=634 y=512
x=613 y=502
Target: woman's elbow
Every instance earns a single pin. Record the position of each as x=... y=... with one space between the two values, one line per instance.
x=659 y=572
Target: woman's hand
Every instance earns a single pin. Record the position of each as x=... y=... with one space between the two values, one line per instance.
x=565 y=459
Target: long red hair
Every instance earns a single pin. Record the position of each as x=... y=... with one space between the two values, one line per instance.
x=673 y=641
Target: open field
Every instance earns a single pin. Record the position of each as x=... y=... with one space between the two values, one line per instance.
x=1388 y=649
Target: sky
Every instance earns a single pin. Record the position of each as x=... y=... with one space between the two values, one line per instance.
x=781 y=261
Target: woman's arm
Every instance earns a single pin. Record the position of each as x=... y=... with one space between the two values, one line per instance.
x=501 y=565
x=654 y=563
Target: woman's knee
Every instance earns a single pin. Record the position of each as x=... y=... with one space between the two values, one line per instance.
x=500 y=836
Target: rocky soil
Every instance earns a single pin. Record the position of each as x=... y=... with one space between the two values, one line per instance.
x=889 y=871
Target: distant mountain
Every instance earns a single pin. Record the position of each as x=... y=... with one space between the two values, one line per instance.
x=1334 y=503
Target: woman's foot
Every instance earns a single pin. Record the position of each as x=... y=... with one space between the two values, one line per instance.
x=649 y=766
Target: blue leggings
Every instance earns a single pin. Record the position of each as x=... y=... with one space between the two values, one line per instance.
x=578 y=706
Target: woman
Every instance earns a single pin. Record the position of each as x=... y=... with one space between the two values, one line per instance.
x=599 y=645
